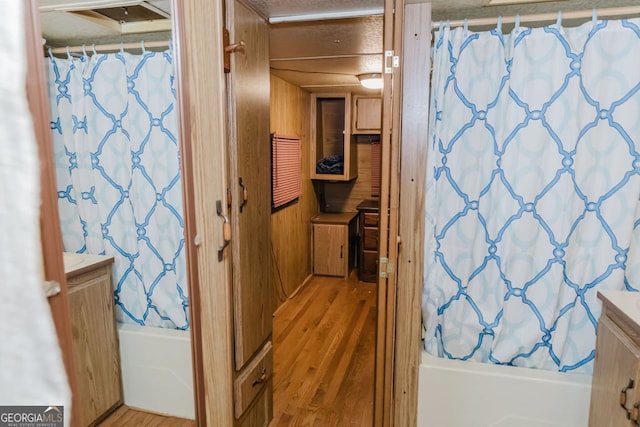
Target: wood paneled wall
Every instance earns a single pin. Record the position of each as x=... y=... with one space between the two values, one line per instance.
x=291 y=226
x=345 y=196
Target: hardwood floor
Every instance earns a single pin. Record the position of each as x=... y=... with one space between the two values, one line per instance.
x=126 y=417
x=324 y=345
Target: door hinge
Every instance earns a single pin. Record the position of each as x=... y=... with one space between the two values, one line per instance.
x=386 y=267
x=391 y=61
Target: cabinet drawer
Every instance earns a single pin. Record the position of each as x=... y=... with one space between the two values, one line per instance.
x=370 y=239
x=370 y=219
x=370 y=262
x=253 y=379
x=260 y=412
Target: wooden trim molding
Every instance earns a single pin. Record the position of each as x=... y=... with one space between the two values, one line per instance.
x=186 y=158
x=383 y=365
x=413 y=152
x=199 y=25
x=51 y=239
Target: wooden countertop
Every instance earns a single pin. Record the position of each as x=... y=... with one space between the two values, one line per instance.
x=334 y=218
x=624 y=304
x=76 y=264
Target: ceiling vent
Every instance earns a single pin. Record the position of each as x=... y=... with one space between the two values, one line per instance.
x=136 y=13
x=118 y=10
x=118 y=16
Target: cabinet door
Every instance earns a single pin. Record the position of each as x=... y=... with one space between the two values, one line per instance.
x=616 y=368
x=330 y=249
x=367 y=115
x=249 y=149
x=95 y=343
x=331 y=138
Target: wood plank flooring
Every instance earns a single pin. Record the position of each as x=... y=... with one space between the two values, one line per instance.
x=127 y=417
x=324 y=345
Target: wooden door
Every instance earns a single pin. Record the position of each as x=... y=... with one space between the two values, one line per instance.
x=51 y=241
x=330 y=249
x=250 y=181
x=616 y=371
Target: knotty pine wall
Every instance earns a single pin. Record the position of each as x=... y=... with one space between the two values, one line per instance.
x=291 y=226
x=345 y=196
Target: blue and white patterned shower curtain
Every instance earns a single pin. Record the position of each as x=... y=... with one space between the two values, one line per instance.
x=114 y=128
x=532 y=190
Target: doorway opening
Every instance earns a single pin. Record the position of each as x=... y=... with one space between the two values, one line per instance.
x=116 y=148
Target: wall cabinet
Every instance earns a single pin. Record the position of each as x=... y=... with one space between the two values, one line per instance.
x=369 y=236
x=250 y=184
x=333 y=155
x=366 y=115
x=615 y=393
x=333 y=243
x=95 y=341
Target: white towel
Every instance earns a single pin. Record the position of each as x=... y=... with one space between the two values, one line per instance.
x=31 y=367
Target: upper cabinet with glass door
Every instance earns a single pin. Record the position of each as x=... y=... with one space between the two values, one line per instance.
x=333 y=155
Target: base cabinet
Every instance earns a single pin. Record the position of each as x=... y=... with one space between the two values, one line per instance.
x=615 y=392
x=95 y=343
x=333 y=237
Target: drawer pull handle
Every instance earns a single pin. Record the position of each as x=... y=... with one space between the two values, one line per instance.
x=634 y=413
x=341 y=247
x=261 y=379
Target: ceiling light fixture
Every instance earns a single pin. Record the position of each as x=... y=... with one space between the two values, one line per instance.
x=371 y=80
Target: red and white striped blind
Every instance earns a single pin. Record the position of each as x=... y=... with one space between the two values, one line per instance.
x=375 y=168
x=286 y=169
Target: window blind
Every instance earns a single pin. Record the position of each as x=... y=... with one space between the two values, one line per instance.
x=375 y=168
x=286 y=170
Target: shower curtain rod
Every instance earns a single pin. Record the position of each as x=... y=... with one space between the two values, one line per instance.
x=542 y=17
x=108 y=47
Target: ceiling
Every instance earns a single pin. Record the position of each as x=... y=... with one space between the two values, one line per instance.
x=320 y=45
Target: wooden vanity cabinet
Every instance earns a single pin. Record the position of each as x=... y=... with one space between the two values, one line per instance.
x=333 y=237
x=331 y=137
x=95 y=341
x=615 y=392
x=366 y=117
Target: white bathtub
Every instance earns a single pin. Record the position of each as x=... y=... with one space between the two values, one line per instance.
x=454 y=393
x=156 y=370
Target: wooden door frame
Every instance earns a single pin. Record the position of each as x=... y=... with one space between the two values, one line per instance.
x=178 y=25
x=398 y=353
x=389 y=191
x=198 y=29
x=200 y=107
